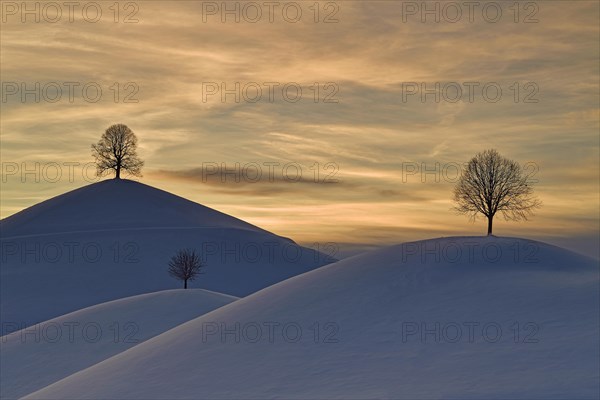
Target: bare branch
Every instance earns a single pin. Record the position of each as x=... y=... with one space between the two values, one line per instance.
x=490 y=184
x=116 y=150
x=185 y=265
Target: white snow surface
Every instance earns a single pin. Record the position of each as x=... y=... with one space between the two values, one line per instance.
x=35 y=357
x=517 y=319
x=114 y=239
x=115 y=204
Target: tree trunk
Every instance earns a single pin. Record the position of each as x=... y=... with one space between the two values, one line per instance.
x=185 y=284
x=490 y=218
x=118 y=176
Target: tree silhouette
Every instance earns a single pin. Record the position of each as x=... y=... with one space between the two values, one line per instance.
x=117 y=149
x=185 y=265
x=490 y=184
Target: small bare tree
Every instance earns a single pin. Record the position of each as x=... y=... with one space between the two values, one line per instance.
x=185 y=265
x=117 y=149
x=492 y=183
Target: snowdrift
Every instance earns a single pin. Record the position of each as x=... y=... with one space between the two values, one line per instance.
x=114 y=239
x=45 y=353
x=466 y=317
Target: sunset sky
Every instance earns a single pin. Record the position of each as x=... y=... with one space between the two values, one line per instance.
x=371 y=137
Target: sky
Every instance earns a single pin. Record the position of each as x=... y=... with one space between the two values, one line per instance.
x=341 y=121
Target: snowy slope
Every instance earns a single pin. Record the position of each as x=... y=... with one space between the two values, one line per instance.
x=47 y=352
x=114 y=239
x=501 y=317
x=116 y=204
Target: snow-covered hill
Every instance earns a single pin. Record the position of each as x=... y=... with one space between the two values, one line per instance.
x=47 y=352
x=114 y=239
x=116 y=204
x=465 y=317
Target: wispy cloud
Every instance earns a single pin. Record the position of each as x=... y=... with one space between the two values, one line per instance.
x=369 y=134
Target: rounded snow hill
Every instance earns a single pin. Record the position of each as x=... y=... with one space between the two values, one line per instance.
x=459 y=317
x=115 y=238
x=35 y=357
x=115 y=204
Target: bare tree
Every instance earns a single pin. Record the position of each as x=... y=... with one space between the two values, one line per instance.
x=492 y=183
x=185 y=265
x=117 y=149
